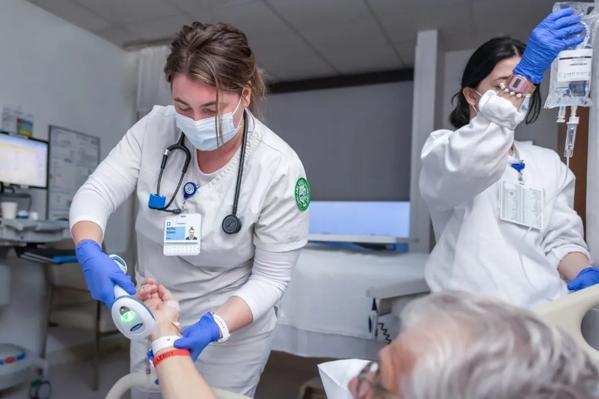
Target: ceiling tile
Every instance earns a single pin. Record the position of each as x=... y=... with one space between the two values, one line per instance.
x=198 y=8
x=296 y=39
x=407 y=51
x=253 y=18
x=160 y=28
x=75 y=14
x=363 y=59
x=357 y=44
x=126 y=11
x=406 y=7
x=306 y=14
x=118 y=36
x=505 y=21
x=402 y=20
x=288 y=57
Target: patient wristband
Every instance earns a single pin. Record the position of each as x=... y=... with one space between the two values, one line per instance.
x=224 y=330
x=162 y=343
x=172 y=353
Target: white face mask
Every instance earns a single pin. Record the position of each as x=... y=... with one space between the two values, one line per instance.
x=522 y=111
x=336 y=375
x=475 y=107
x=202 y=133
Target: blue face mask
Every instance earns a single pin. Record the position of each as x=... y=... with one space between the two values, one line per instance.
x=202 y=133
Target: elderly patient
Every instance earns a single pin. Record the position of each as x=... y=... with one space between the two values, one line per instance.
x=454 y=346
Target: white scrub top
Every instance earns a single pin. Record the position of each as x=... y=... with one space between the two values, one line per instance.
x=271 y=213
x=476 y=252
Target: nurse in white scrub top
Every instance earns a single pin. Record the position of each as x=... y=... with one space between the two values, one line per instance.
x=244 y=193
x=502 y=209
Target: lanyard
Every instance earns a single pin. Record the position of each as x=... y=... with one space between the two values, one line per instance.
x=519 y=165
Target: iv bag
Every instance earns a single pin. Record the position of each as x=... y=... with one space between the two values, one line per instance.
x=570 y=83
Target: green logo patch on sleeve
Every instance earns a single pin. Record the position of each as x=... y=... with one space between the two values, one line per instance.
x=303 y=194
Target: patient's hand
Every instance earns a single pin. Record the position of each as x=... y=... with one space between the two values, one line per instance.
x=166 y=311
x=153 y=293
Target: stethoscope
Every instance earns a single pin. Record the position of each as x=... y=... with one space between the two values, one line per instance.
x=231 y=223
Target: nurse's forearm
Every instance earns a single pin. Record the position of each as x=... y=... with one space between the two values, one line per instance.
x=86 y=230
x=572 y=264
x=179 y=379
x=236 y=313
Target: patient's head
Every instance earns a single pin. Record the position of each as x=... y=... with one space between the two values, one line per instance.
x=456 y=346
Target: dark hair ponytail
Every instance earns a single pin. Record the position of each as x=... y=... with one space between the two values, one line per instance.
x=460 y=116
x=479 y=66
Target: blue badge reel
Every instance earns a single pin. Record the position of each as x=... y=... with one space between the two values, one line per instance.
x=189 y=190
x=182 y=235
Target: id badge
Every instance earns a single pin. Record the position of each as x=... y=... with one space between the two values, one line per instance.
x=182 y=235
x=521 y=205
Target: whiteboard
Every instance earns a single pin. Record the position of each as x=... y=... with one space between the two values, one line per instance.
x=73 y=157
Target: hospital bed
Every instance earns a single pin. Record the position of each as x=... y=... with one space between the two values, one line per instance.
x=568 y=313
x=326 y=312
x=576 y=313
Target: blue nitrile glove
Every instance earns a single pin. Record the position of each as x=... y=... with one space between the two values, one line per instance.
x=101 y=272
x=550 y=37
x=198 y=336
x=586 y=278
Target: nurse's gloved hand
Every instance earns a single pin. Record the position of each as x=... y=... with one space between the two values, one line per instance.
x=101 y=272
x=551 y=36
x=586 y=278
x=198 y=336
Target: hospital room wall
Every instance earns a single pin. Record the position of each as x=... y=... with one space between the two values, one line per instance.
x=354 y=141
x=543 y=132
x=68 y=77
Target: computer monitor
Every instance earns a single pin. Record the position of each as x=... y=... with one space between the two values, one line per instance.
x=23 y=161
x=360 y=221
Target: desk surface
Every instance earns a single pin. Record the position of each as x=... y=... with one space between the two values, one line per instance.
x=20 y=231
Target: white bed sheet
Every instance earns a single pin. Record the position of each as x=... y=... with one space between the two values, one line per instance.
x=325 y=309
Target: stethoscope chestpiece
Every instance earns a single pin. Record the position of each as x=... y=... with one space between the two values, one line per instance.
x=231 y=224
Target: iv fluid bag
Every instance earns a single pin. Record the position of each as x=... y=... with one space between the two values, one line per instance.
x=570 y=83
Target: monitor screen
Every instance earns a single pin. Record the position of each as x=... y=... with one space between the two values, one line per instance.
x=23 y=161
x=360 y=218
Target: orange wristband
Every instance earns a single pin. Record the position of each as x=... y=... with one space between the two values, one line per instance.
x=165 y=355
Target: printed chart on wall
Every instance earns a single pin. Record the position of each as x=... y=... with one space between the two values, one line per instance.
x=73 y=157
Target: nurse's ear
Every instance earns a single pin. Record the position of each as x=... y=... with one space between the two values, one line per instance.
x=471 y=96
x=246 y=96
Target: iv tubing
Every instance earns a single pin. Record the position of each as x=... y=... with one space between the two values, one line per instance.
x=571 y=134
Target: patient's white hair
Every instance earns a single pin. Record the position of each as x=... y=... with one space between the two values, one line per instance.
x=474 y=348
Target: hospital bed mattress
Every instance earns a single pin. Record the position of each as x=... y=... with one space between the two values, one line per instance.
x=325 y=310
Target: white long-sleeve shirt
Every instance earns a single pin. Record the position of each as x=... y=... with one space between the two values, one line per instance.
x=461 y=175
x=254 y=264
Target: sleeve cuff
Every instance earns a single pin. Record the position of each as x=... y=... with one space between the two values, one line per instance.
x=557 y=254
x=86 y=218
x=499 y=110
x=281 y=247
x=256 y=310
